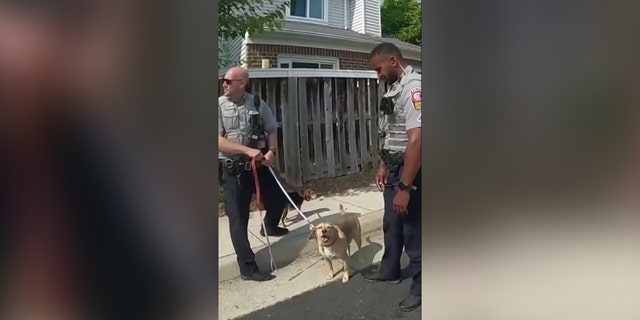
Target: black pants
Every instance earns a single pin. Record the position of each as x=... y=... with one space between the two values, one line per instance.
x=237 y=197
x=402 y=231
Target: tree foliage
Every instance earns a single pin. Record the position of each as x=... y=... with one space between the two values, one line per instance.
x=402 y=19
x=236 y=17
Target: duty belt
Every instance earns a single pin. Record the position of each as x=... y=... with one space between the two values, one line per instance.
x=235 y=165
x=393 y=161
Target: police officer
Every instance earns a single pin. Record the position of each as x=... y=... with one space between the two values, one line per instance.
x=247 y=131
x=399 y=169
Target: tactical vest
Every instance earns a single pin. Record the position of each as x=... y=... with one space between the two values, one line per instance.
x=236 y=120
x=392 y=126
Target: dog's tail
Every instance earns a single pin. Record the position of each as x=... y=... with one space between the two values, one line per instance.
x=342 y=211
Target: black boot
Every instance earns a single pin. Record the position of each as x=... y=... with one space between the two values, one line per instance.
x=410 y=303
x=274 y=231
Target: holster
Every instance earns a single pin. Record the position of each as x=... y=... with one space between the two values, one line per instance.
x=393 y=161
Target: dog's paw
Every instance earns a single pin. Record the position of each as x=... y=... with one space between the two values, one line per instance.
x=345 y=278
x=330 y=276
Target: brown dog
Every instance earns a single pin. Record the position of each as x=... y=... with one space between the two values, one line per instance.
x=306 y=195
x=334 y=241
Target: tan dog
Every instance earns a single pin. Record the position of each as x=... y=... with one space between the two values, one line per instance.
x=297 y=198
x=334 y=241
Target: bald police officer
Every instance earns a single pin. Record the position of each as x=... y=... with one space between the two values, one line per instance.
x=247 y=130
x=399 y=169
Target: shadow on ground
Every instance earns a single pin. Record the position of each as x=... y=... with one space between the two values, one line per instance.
x=293 y=216
x=355 y=299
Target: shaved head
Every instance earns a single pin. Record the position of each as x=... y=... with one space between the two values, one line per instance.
x=237 y=73
x=235 y=83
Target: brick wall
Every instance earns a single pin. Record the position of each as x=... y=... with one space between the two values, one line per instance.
x=348 y=59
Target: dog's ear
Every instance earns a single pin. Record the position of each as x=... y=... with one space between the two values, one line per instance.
x=342 y=209
x=340 y=233
x=313 y=234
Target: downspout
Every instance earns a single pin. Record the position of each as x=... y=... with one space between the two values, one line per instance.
x=346 y=14
x=364 y=16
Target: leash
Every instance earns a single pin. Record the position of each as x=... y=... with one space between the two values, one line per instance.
x=254 y=169
x=286 y=194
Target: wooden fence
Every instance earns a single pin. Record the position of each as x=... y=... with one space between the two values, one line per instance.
x=328 y=120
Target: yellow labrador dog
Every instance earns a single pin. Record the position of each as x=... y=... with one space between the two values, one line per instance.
x=334 y=241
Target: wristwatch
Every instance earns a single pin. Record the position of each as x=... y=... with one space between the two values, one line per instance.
x=404 y=187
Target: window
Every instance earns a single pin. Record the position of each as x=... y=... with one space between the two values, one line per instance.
x=307 y=63
x=308 y=9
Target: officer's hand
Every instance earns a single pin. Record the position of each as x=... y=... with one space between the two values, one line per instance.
x=254 y=154
x=268 y=159
x=401 y=202
x=381 y=176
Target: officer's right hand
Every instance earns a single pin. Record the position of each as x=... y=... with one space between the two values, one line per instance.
x=254 y=154
x=381 y=176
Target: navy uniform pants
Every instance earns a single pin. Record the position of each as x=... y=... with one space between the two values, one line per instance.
x=402 y=231
x=237 y=197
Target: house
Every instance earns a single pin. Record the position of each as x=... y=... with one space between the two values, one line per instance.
x=320 y=34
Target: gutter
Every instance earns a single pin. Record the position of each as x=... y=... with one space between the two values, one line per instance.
x=346 y=11
x=341 y=37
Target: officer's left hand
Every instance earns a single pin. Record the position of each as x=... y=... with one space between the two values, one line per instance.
x=401 y=202
x=267 y=160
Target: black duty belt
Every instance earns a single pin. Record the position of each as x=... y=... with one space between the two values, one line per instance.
x=393 y=161
x=235 y=165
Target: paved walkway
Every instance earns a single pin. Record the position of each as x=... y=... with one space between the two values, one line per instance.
x=368 y=204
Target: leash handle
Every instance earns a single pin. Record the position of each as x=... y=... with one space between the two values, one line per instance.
x=254 y=170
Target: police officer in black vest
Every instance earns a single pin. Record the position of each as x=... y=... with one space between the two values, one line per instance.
x=399 y=169
x=247 y=131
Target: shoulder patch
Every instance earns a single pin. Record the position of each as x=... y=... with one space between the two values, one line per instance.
x=416 y=98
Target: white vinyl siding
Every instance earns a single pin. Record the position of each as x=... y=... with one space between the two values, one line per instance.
x=336 y=13
x=365 y=17
x=357 y=22
x=233 y=49
x=372 y=18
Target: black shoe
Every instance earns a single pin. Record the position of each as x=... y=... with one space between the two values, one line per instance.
x=257 y=276
x=275 y=232
x=410 y=303
x=375 y=277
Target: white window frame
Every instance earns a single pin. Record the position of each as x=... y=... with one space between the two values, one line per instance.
x=325 y=14
x=309 y=59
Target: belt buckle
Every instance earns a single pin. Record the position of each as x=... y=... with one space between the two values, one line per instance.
x=247 y=166
x=228 y=163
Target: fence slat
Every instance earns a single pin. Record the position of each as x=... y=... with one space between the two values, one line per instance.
x=303 y=116
x=341 y=125
x=362 y=122
x=328 y=126
x=270 y=99
x=351 y=125
x=318 y=156
x=372 y=94
x=291 y=132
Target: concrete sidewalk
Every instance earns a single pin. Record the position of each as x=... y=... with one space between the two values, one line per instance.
x=367 y=204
